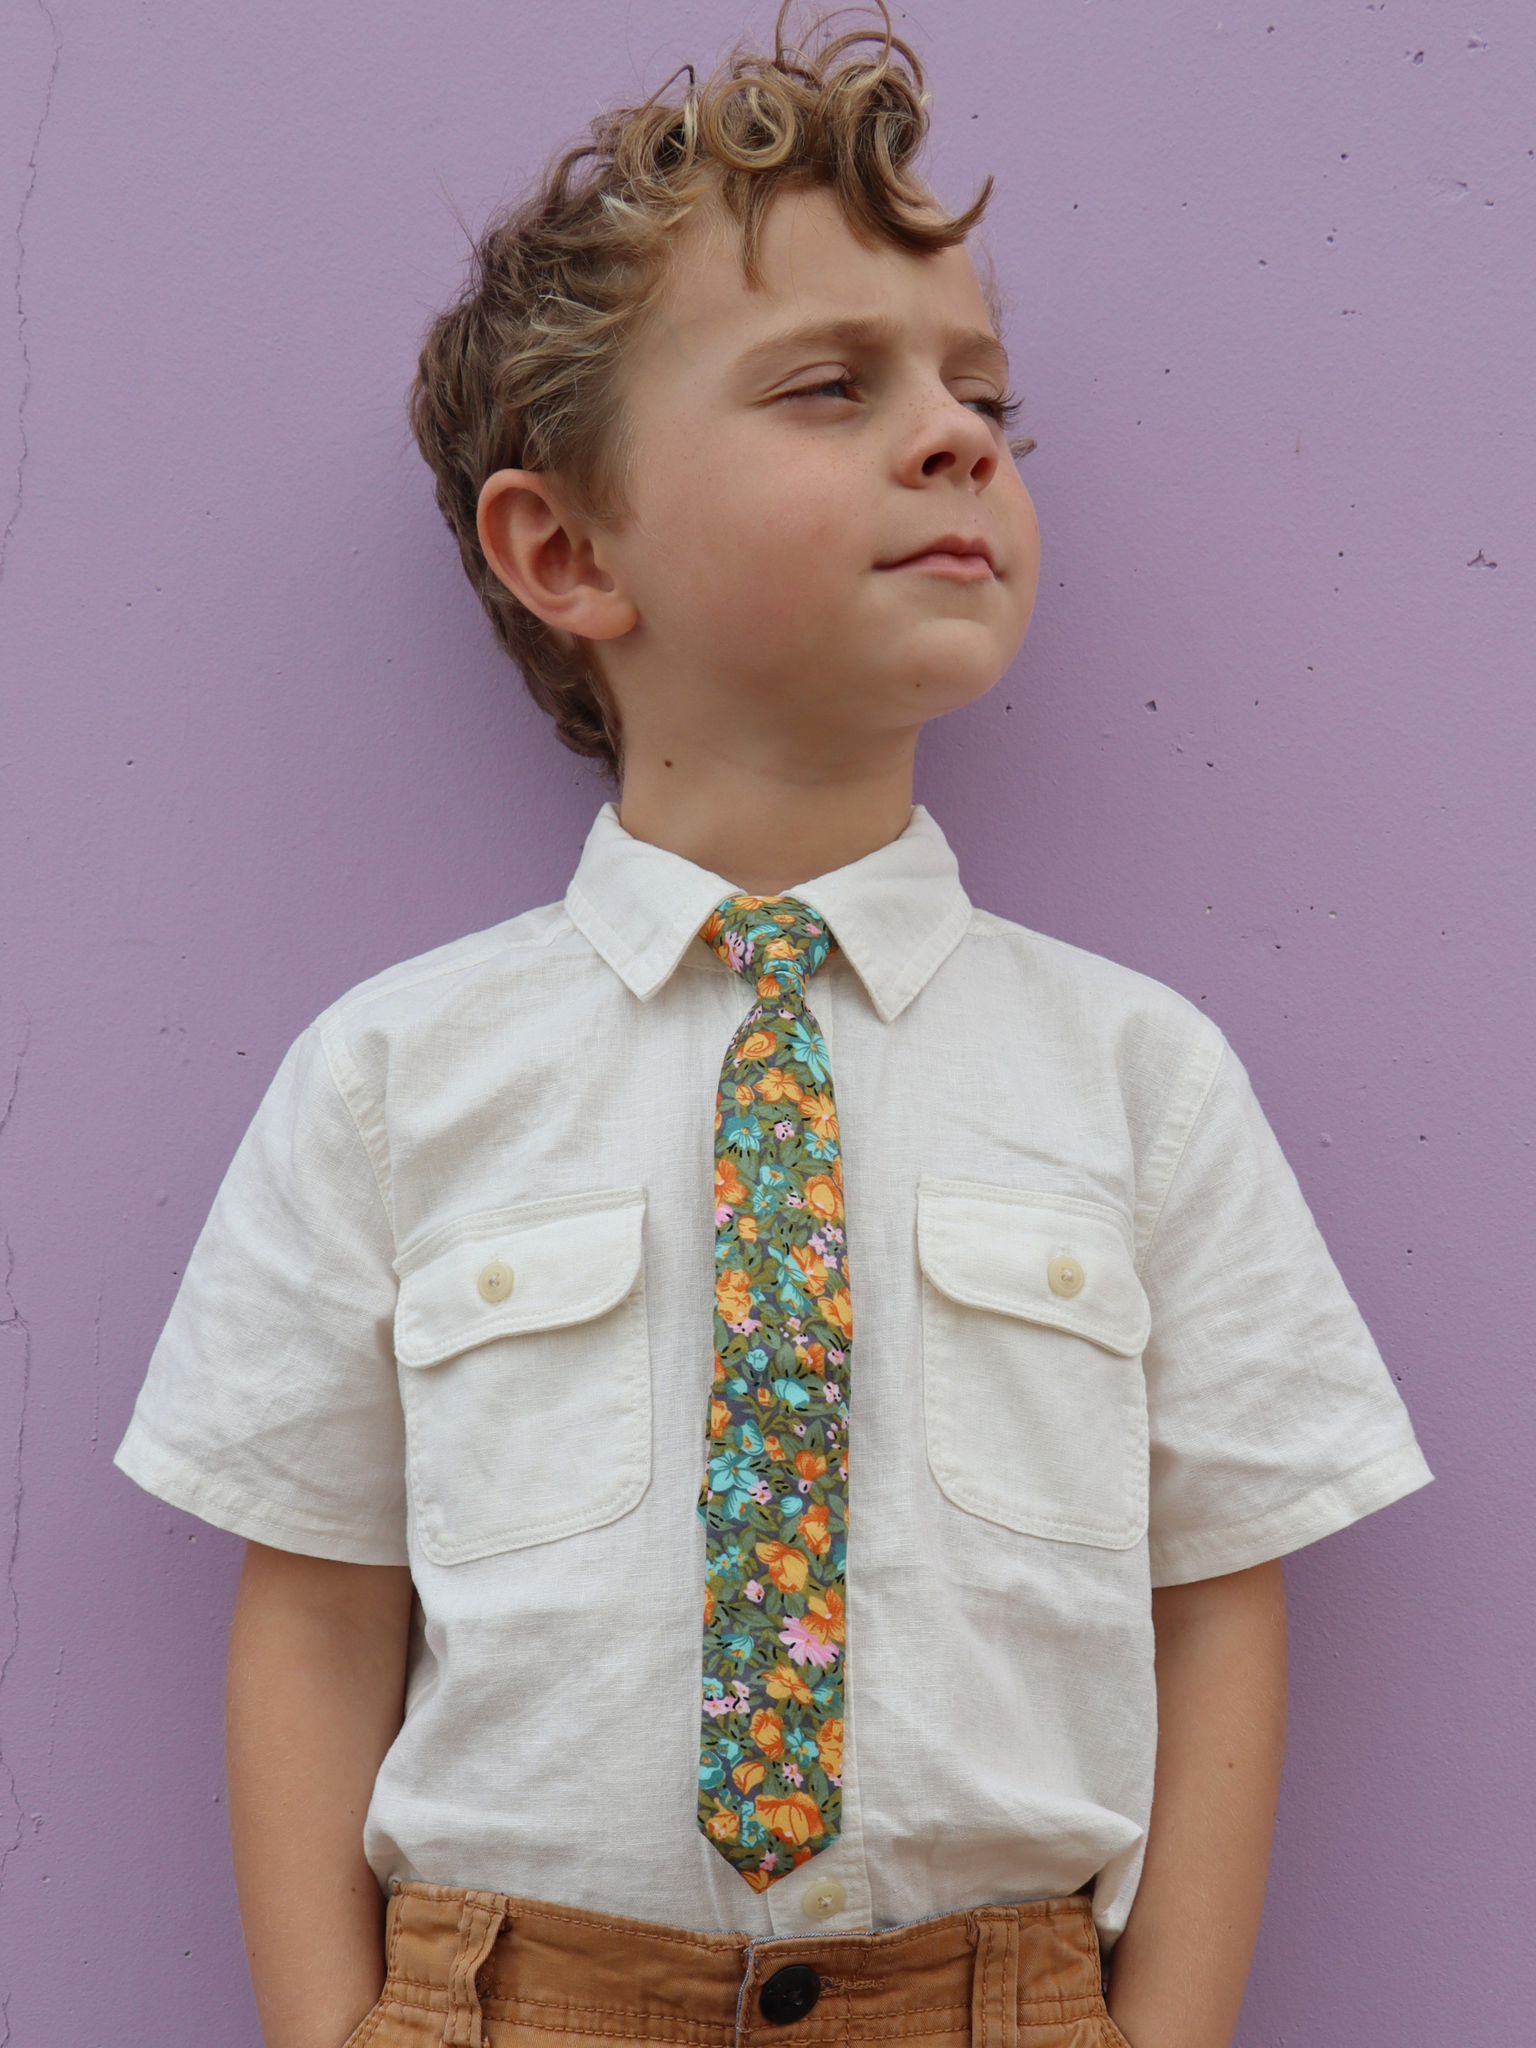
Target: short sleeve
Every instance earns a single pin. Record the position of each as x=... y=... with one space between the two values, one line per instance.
x=271 y=1406
x=1273 y=1420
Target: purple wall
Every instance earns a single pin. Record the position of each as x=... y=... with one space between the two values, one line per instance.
x=1273 y=310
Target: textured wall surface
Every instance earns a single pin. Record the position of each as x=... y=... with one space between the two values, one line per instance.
x=1270 y=271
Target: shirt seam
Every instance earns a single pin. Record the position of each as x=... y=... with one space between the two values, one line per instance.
x=1163 y=1141
x=334 y=1048
x=386 y=984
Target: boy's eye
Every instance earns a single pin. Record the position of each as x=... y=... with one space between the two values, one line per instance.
x=1000 y=410
x=829 y=387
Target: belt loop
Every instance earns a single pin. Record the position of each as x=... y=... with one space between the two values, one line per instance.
x=995 y=1981
x=480 y=1921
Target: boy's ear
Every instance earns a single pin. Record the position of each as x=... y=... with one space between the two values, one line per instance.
x=544 y=554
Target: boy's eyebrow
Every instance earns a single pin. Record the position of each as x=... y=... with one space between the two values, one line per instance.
x=869 y=333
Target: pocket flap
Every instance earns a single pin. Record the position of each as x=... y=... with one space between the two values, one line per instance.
x=544 y=1265
x=1043 y=1258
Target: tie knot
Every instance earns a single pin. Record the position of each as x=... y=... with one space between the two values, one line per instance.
x=769 y=939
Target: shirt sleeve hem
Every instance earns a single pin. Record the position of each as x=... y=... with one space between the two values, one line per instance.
x=1212 y=1553
x=173 y=1479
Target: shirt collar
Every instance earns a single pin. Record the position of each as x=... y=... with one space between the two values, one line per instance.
x=897 y=914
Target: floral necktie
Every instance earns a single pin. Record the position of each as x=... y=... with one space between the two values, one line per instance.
x=775 y=1496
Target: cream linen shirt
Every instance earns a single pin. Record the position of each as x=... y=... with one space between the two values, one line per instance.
x=1099 y=1347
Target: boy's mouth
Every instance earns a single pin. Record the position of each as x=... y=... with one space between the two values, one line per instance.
x=950 y=556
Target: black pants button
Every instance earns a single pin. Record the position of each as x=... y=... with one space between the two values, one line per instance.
x=789 y=1994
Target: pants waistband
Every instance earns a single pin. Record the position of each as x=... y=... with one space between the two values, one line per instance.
x=473 y=1969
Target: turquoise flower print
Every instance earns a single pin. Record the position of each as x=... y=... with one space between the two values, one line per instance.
x=792 y=1393
x=807 y=1049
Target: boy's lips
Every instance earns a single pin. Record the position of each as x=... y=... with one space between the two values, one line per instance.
x=952 y=556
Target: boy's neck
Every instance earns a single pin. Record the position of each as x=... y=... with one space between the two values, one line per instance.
x=769 y=826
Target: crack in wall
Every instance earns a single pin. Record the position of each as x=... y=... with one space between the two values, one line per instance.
x=19 y=491
x=13 y=1323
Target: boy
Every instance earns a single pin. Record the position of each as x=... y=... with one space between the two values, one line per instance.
x=721 y=427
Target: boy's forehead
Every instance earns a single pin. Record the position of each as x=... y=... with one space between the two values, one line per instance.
x=814 y=272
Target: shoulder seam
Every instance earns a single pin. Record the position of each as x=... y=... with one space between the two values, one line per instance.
x=368 y=991
x=366 y=1121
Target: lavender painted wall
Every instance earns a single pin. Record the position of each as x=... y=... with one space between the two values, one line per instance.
x=1271 y=282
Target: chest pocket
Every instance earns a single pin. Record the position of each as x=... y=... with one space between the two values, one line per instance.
x=1033 y=1327
x=525 y=1373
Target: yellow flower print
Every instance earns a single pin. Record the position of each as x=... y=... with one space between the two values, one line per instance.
x=759 y=1045
x=794 y=1817
x=785 y=1683
x=746 y=1229
x=839 y=1310
x=730 y=1189
x=824 y=1198
x=767 y=988
x=749 y=1774
x=743 y=1093
x=709 y=1605
x=777 y=1086
x=820 y=1112
x=825 y=1616
x=814 y=1532
x=811 y=1267
x=787 y=1567
x=719 y=1418
x=733 y=1294
x=774 y=1449
x=780 y=949
x=768 y=1732
x=724 y=1824
x=829 y=1747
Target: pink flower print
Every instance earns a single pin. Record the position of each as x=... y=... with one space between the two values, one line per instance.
x=799 y=1428
x=794 y=1201
x=762 y=1492
x=753 y=1590
x=769 y=1862
x=721 y=1215
x=836 y=1356
x=804 y=1485
x=831 y=1391
x=804 y=1646
x=736 y=946
x=783 y=1130
x=792 y=1773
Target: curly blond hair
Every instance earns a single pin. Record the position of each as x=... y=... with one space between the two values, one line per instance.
x=523 y=371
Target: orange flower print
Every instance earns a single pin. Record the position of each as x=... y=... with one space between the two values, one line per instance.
x=759 y=1045
x=793 y=1816
x=746 y=1229
x=814 y=1532
x=824 y=1198
x=743 y=1093
x=767 y=988
x=787 y=1567
x=779 y=949
x=733 y=1294
x=809 y=1465
x=751 y=1773
x=730 y=1189
x=818 y=1359
x=719 y=1418
x=719 y=1370
x=774 y=1449
x=768 y=1732
x=820 y=1112
x=785 y=1683
x=758 y=1879
x=829 y=1747
x=709 y=1605
x=724 y=1824
x=764 y=1398
x=825 y=1616
x=811 y=1267
x=839 y=1310
x=711 y=928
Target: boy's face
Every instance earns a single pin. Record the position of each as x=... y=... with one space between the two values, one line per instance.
x=825 y=529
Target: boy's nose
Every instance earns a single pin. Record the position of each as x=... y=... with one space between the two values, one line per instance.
x=958 y=443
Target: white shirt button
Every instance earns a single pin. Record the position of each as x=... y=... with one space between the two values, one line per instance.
x=819 y=1901
x=495 y=1281
x=1065 y=1275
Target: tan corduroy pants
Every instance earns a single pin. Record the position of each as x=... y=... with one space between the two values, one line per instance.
x=472 y=1969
